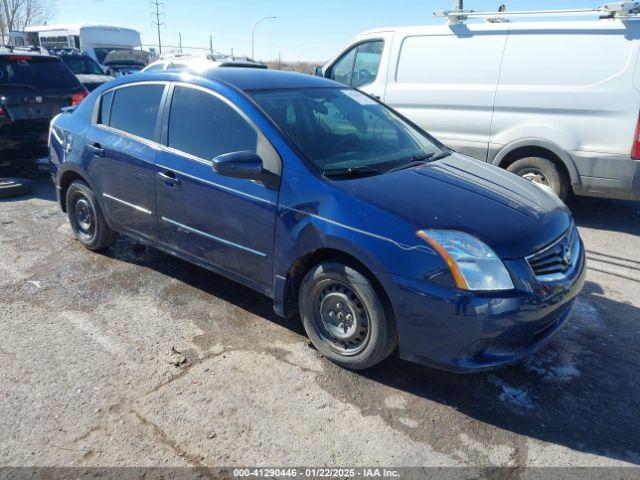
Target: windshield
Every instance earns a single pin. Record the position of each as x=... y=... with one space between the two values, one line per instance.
x=343 y=130
x=35 y=73
x=82 y=65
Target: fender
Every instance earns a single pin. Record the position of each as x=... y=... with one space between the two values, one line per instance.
x=78 y=170
x=547 y=145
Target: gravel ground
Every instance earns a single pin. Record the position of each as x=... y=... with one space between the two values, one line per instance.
x=134 y=358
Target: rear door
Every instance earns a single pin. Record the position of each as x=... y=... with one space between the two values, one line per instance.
x=225 y=222
x=120 y=151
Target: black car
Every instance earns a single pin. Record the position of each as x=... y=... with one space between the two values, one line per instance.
x=84 y=67
x=34 y=88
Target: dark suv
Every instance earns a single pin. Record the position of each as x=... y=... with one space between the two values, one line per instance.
x=34 y=88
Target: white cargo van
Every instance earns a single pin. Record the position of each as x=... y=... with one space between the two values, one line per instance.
x=557 y=102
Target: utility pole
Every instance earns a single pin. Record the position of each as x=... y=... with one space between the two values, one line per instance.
x=155 y=4
x=458 y=5
x=180 y=42
x=279 y=61
x=211 y=44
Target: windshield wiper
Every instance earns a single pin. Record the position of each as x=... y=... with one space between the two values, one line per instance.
x=356 y=171
x=420 y=159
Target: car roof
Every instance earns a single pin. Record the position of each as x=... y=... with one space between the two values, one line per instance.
x=261 y=79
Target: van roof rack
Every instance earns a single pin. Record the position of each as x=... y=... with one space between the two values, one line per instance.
x=608 y=10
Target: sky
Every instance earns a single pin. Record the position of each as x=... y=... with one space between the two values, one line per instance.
x=305 y=30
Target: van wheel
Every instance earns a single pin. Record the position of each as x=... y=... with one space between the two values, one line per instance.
x=86 y=218
x=345 y=318
x=543 y=171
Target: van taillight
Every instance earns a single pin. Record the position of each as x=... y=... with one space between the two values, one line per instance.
x=2 y=112
x=77 y=98
x=635 y=153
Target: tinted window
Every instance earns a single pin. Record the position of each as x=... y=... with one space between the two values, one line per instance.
x=205 y=126
x=135 y=109
x=339 y=129
x=40 y=73
x=105 y=108
x=82 y=65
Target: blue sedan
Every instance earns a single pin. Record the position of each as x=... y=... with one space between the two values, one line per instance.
x=335 y=206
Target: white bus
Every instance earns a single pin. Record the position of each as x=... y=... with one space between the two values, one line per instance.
x=97 y=40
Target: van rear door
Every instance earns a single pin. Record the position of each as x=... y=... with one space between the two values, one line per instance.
x=445 y=80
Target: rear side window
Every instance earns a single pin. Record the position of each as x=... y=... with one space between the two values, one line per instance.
x=206 y=127
x=20 y=71
x=105 y=108
x=135 y=109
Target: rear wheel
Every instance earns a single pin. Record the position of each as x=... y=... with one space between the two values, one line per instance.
x=86 y=218
x=542 y=171
x=345 y=317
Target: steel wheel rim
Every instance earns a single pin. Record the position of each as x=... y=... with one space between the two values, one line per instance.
x=535 y=175
x=85 y=217
x=340 y=318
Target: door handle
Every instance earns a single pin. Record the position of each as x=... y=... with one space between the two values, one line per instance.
x=170 y=178
x=96 y=149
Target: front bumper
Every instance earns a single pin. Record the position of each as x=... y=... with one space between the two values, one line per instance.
x=468 y=332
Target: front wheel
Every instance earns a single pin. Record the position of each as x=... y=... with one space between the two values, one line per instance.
x=86 y=218
x=345 y=317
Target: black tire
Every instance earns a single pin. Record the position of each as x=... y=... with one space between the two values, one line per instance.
x=86 y=218
x=360 y=342
x=14 y=187
x=542 y=170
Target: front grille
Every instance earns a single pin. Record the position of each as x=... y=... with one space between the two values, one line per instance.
x=557 y=259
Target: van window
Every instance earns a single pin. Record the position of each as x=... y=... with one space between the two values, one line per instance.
x=206 y=127
x=566 y=59
x=359 y=66
x=135 y=110
x=450 y=59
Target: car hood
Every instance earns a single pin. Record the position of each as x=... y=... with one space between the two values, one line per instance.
x=126 y=57
x=513 y=216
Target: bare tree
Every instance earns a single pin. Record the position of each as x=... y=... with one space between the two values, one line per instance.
x=18 y=14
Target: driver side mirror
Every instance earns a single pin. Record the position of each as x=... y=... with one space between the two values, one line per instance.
x=319 y=72
x=245 y=164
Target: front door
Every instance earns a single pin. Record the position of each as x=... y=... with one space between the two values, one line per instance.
x=224 y=222
x=121 y=152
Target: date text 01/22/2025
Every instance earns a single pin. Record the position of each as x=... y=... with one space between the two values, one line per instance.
x=315 y=473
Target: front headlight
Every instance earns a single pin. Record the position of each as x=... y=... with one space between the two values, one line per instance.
x=473 y=264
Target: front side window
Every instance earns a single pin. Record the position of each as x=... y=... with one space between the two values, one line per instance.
x=205 y=126
x=343 y=130
x=135 y=110
x=359 y=66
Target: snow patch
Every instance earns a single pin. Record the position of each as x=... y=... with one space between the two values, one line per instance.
x=514 y=396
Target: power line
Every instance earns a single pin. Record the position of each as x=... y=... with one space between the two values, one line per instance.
x=157 y=14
